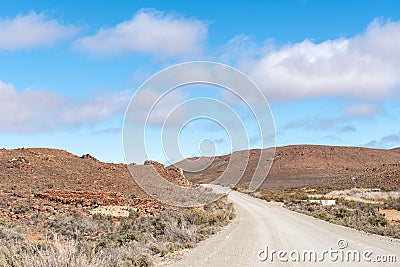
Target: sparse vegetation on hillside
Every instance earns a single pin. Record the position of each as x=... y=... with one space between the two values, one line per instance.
x=281 y=195
x=54 y=207
x=299 y=166
x=359 y=215
x=78 y=240
x=392 y=204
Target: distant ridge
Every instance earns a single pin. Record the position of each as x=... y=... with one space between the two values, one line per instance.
x=397 y=149
x=315 y=166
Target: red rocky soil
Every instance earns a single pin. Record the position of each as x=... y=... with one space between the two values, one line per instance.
x=51 y=181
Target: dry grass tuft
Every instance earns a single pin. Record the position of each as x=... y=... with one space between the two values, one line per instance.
x=79 y=240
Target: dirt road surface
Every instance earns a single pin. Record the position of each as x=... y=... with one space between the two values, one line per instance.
x=261 y=228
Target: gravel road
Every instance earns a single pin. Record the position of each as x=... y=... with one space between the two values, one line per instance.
x=261 y=228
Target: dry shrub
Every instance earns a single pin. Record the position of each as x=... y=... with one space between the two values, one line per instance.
x=80 y=240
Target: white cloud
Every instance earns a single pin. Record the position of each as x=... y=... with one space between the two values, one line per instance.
x=337 y=124
x=31 y=111
x=388 y=141
x=366 y=66
x=26 y=111
x=94 y=110
x=148 y=32
x=362 y=110
x=32 y=30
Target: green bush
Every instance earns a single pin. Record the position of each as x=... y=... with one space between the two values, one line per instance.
x=393 y=204
x=341 y=213
x=357 y=215
x=283 y=196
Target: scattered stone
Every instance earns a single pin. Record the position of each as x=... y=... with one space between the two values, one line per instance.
x=83 y=198
x=113 y=211
x=88 y=156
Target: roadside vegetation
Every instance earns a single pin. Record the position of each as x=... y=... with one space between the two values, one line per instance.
x=75 y=239
x=363 y=216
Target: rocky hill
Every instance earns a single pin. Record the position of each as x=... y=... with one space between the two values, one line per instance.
x=313 y=166
x=397 y=149
x=32 y=169
x=51 y=181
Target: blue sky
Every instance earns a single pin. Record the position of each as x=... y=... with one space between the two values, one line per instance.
x=329 y=69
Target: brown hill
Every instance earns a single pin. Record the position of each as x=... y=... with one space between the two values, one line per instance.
x=312 y=166
x=52 y=181
x=33 y=169
x=397 y=149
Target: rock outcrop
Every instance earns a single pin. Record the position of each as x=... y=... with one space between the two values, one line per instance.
x=172 y=174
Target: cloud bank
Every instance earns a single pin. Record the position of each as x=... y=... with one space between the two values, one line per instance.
x=32 y=31
x=362 y=110
x=364 y=67
x=336 y=124
x=388 y=141
x=33 y=111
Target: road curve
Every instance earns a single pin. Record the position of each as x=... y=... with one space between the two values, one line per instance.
x=260 y=225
